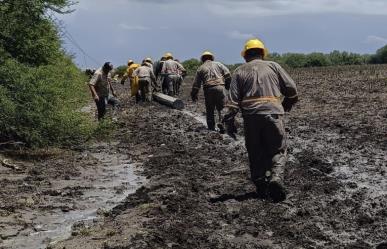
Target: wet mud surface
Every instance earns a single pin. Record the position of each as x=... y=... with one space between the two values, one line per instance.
x=50 y=192
x=198 y=193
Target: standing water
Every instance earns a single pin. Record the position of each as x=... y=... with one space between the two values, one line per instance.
x=113 y=180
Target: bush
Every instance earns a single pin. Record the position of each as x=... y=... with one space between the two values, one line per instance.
x=191 y=66
x=380 y=57
x=120 y=70
x=40 y=87
x=39 y=103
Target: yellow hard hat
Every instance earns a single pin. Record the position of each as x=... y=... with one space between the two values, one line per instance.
x=254 y=43
x=168 y=56
x=207 y=53
x=130 y=62
x=148 y=60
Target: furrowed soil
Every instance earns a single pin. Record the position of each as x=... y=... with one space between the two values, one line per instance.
x=198 y=193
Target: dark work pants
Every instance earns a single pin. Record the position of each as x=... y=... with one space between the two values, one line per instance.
x=101 y=105
x=145 y=89
x=215 y=98
x=266 y=144
x=170 y=83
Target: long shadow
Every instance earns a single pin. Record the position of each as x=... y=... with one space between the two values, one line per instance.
x=240 y=198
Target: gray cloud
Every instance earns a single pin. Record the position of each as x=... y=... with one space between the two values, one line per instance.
x=282 y=7
x=239 y=35
x=288 y=7
x=376 y=40
x=133 y=27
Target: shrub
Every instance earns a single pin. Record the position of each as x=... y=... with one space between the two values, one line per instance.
x=191 y=66
x=38 y=104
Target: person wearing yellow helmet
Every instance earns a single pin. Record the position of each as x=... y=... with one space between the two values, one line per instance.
x=171 y=72
x=149 y=62
x=257 y=88
x=146 y=79
x=215 y=77
x=168 y=56
x=134 y=87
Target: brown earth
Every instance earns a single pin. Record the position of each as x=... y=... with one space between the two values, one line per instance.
x=199 y=195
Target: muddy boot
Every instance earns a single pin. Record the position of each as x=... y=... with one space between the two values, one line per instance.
x=277 y=191
x=221 y=128
x=261 y=187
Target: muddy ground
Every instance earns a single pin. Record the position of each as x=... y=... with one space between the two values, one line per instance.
x=198 y=193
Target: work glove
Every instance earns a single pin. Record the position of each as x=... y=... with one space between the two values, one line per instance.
x=288 y=103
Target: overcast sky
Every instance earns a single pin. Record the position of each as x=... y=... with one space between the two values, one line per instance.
x=117 y=30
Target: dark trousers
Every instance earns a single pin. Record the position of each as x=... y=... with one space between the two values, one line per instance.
x=170 y=84
x=145 y=89
x=214 y=98
x=101 y=105
x=266 y=144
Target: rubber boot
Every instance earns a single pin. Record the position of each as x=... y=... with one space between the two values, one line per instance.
x=211 y=127
x=276 y=188
x=221 y=128
x=261 y=187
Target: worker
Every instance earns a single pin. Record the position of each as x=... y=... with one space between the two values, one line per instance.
x=149 y=61
x=146 y=80
x=214 y=76
x=171 y=71
x=178 y=84
x=257 y=89
x=134 y=87
x=158 y=65
x=102 y=90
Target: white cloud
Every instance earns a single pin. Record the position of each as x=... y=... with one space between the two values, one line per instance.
x=133 y=27
x=287 y=7
x=377 y=40
x=237 y=35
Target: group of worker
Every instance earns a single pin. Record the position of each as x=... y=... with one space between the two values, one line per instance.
x=260 y=89
x=147 y=77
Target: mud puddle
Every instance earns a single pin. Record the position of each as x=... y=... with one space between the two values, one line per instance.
x=99 y=190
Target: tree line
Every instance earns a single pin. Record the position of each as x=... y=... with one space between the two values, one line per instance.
x=300 y=60
x=41 y=89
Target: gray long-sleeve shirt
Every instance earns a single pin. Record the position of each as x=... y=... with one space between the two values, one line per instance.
x=145 y=72
x=211 y=73
x=171 y=67
x=258 y=86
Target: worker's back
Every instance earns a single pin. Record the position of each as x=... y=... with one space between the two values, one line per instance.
x=171 y=67
x=131 y=69
x=258 y=85
x=143 y=72
x=211 y=73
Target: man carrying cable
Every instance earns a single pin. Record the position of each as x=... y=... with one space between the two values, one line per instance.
x=257 y=88
x=215 y=77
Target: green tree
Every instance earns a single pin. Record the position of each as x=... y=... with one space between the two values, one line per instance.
x=294 y=60
x=380 y=57
x=317 y=60
x=191 y=66
x=27 y=33
x=41 y=90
